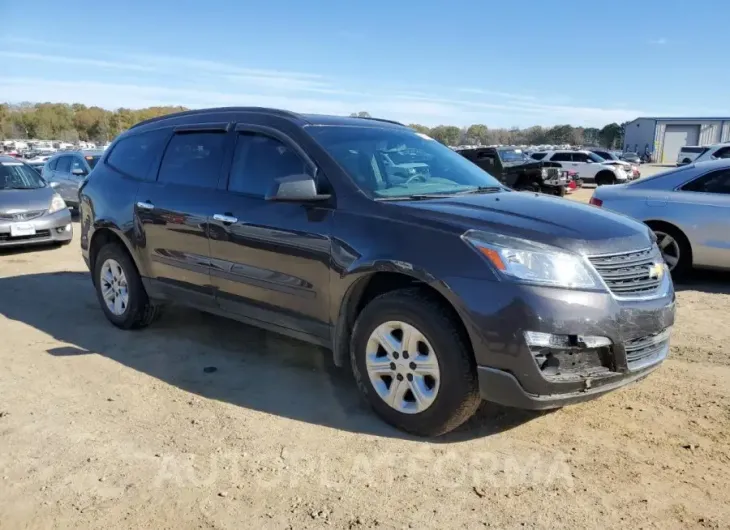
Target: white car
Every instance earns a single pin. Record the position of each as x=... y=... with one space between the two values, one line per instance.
x=611 y=158
x=714 y=152
x=590 y=167
x=688 y=153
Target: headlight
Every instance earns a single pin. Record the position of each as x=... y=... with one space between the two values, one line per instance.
x=544 y=172
x=57 y=204
x=526 y=261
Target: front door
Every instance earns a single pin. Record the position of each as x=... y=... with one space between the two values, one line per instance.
x=270 y=260
x=174 y=210
x=62 y=175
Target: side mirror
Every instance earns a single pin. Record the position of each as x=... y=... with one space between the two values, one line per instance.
x=295 y=188
x=53 y=184
x=78 y=172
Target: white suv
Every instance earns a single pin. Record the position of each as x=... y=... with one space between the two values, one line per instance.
x=688 y=153
x=714 y=152
x=590 y=167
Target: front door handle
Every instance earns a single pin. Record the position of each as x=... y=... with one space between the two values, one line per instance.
x=143 y=205
x=226 y=219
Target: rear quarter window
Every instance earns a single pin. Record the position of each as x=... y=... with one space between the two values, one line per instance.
x=135 y=155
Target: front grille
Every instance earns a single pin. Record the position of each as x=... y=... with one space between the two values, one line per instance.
x=552 y=173
x=22 y=216
x=40 y=234
x=644 y=349
x=636 y=273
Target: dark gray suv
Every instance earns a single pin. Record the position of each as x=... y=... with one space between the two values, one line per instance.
x=435 y=283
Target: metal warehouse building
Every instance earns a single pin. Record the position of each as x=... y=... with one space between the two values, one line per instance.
x=665 y=136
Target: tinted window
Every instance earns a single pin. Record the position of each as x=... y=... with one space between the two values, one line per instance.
x=92 y=160
x=18 y=176
x=538 y=156
x=722 y=153
x=562 y=157
x=692 y=149
x=714 y=182
x=135 y=155
x=258 y=161
x=193 y=159
x=603 y=154
x=64 y=164
x=52 y=164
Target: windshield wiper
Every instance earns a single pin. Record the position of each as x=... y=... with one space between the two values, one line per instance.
x=483 y=189
x=417 y=197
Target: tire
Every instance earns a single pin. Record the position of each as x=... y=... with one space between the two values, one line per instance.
x=605 y=177
x=684 y=265
x=139 y=311
x=457 y=391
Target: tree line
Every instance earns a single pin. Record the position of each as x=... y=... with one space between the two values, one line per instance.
x=71 y=123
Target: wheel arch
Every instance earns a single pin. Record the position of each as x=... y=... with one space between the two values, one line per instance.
x=610 y=174
x=104 y=235
x=375 y=283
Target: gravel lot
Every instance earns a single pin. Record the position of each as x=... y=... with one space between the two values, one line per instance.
x=102 y=428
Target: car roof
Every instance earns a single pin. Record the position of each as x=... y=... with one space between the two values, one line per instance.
x=299 y=119
x=82 y=152
x=4 y=158
x=720 y=163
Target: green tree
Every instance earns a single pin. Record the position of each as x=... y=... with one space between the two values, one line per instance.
x=477 y=134
x=420 y=128
x=446 y=134
x=611 y=135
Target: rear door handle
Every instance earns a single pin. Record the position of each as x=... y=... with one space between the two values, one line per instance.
x=226 y=219
x=142 y=205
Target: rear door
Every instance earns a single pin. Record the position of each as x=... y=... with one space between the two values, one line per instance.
x=174 y=211
x=270 y=260
x=62 y=175
x=704 y=205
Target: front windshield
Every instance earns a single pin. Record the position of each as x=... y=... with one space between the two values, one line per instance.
x=392 y=163
x=18 y=176
x=511 y=155
x=595 y=157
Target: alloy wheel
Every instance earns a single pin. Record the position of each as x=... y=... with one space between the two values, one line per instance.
x=669 y=248
x=114 y=288
x=403 y=367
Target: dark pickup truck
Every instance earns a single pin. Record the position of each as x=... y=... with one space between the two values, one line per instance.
x=515 y=170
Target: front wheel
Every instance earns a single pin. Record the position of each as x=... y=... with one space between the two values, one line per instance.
x=675 y=248
x=119 y=289
x=413 y=364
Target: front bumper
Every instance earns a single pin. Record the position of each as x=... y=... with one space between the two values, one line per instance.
x=508 y=368
x=48 y=229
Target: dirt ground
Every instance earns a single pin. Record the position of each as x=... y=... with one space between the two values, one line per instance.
x=200 y=422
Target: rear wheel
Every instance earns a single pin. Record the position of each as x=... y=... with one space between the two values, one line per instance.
x=119 y=289
x=413 y=364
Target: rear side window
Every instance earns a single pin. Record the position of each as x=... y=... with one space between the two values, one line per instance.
x=562 y=157
x=135 y=155
x=692 y=149
x=193 y=159
x=714 y=182
x=64 y=164
x=258 y=161
x=538 y=156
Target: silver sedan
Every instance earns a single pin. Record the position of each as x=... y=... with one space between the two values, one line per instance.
x=687 y=207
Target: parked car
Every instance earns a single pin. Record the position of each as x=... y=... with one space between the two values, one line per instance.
x=37 y=163
x=631 y=157
x=688 y=153
x=714 y=152
x=688 y=208
x=31 y=212
x=68 y=169
x=516 y=170
x=591 y=168
x=439 y=289
x=632 y=169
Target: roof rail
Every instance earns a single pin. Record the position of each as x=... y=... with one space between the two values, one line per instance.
x=379 y=119
x=278 y=112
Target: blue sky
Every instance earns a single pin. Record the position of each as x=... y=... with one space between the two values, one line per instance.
x=434 y=62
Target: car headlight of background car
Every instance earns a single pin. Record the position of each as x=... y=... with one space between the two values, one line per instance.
x=544 y=172
x=57 y=204
x=525 y=261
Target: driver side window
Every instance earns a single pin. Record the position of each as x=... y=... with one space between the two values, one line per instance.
x=77 y=163
x=258 y=161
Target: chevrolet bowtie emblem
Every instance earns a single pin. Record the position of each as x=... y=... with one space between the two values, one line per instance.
x=656 y=270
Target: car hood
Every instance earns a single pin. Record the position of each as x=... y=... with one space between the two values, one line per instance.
x=16 y=201
x=530 y=164
x=550 y=220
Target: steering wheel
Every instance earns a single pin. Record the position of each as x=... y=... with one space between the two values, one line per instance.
x=414 y=177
